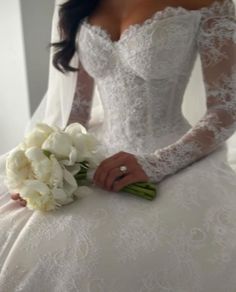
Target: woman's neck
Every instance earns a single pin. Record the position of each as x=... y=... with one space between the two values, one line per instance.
x=121 y=8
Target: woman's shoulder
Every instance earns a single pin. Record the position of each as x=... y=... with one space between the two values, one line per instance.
x=211 y=7
x=199 y=4
x=204 y=5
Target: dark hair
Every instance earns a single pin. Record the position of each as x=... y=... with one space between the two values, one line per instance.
x=71 y=14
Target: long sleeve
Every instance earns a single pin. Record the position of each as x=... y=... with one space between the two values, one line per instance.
x=216 y=42
x=83 y=99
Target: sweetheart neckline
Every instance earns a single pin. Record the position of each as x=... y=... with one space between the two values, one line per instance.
x=158 y=15
x=106 y=35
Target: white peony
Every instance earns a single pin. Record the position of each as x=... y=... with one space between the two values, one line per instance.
x=82 y=140
x=18 y=169
x=36 y=138
x=60 y=144
x=70 y=184
x=38 y=196
x=72 y=159
x=56 y=177
x=85 y=145
x=42 y=168
x=40 y=163
x=64 y=195
x=61 y=197
x=74 y=129
x=46 y=169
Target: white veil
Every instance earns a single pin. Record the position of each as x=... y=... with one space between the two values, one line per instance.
x=56 y=105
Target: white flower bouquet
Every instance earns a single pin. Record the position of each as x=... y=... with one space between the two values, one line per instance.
x=51 y=167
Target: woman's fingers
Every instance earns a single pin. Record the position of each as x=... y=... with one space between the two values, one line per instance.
x=109 y=176
x=18 y=197
x=15 y=196
x=23 y=202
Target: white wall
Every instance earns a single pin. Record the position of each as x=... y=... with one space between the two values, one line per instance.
x=194 y=101
x=37 y=18
x=14 y=107
x=25 y=27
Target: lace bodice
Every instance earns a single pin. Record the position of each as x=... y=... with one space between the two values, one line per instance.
x=142 y=78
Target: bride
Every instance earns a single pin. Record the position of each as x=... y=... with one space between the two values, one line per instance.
x=140 y=55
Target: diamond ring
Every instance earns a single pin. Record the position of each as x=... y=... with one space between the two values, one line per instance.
x=123 y=169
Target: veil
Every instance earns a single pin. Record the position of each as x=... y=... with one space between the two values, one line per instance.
x=56 y=104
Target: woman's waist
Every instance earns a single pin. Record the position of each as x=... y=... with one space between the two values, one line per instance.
x=143 y=140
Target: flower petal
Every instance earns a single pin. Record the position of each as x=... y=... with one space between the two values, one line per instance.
x=58 y=143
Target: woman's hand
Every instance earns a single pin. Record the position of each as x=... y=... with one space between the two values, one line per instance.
x=18 y=197
x=109 y=176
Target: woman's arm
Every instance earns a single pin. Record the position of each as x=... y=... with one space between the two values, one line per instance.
x=82 y=103
x=216 y=41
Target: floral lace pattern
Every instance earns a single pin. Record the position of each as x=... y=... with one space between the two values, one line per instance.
x=217 y=47
x=184 y=240
x=132 y=61
x=82 y=103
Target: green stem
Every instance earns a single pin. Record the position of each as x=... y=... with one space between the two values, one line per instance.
x=148 y=196
x=146 y=185
x=145 y=190
x=80 y=176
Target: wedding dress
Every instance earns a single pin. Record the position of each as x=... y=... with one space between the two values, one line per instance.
x=184 y=240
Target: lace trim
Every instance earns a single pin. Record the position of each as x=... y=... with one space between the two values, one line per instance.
x=226 y=7
x=219 y=8
x=158 y=15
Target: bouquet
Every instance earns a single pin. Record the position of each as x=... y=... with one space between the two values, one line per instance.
x=51 y=167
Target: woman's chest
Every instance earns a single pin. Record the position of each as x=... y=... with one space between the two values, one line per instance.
x=155 y=48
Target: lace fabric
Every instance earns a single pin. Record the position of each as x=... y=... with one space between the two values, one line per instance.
x=215 y=42
x=217 y=47
x=83 y=99
x=185 y=240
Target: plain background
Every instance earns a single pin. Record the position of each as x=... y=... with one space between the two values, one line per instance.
x=25 y=28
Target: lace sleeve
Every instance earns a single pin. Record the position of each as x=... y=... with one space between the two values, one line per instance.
x=216 y=41
x=83 y=98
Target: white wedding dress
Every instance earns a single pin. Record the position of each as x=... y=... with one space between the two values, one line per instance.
x=184 y=240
